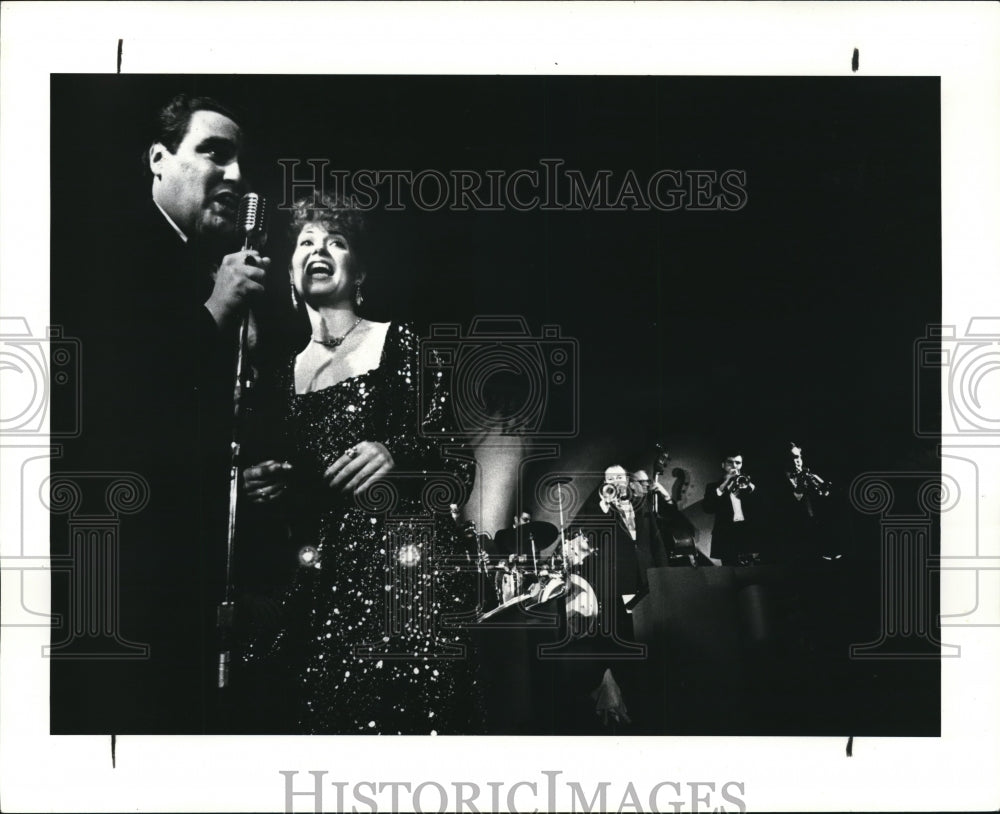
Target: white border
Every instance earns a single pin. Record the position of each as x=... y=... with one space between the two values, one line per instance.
x=956 y=41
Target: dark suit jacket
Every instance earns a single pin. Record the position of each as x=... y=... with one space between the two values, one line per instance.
x=727 y=540
x=156 y=401
x=626 y=561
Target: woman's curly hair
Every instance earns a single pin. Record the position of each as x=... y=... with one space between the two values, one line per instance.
x=335 y=214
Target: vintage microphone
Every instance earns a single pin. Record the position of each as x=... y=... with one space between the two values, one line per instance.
x=251 y=220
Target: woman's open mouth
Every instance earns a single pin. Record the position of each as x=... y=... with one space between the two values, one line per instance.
x=319 y=268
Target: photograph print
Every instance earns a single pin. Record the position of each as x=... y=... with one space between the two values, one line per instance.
x=496 y=405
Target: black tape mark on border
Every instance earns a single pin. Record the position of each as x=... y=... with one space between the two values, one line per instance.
x=114 y=742
x=850 y=746
x=119 y=55
x=855 y=60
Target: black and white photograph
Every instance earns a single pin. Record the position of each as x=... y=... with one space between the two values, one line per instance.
x=544 y=411
x=554 y=401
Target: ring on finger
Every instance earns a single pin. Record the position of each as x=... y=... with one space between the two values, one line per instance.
x=352 y=452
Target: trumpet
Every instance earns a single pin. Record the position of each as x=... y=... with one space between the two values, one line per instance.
x=611 y=493
x=741 y=483
x=808 y=481
x=804 y=479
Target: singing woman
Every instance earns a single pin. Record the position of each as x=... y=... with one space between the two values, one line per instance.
x=367 y=630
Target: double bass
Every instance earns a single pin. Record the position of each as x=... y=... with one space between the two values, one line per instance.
x=678 y=532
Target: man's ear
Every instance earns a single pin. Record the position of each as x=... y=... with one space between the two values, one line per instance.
x=157 y=153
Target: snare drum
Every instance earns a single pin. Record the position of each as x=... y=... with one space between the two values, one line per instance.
x=509 y=582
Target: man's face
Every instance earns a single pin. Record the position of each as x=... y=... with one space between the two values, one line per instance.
x=733 y=464
x=638 y=483
x=199 y=185
x=616 y=475
x=797 y=458
x=522 y=519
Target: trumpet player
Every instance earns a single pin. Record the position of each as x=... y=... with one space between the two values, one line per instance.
x=629 y=500
x=614 y=496
x=808 y=490
x=805 y=483
x=731 y=501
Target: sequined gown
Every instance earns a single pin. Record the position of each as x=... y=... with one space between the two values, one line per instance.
x=368 y=633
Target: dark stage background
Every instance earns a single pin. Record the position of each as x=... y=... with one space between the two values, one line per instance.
x=793 y=318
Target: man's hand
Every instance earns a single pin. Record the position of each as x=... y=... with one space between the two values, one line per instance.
x=661 y=490
x=724 y=486
x=240 y=276
x=266 y=481
x=359 y=467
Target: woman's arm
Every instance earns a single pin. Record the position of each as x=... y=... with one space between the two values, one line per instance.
x=421 y=430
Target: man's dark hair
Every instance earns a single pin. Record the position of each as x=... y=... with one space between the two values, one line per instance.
x=174 y=118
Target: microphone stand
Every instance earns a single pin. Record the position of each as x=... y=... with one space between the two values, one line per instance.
x=227 y=608
x=226 y=612
x=562 y=536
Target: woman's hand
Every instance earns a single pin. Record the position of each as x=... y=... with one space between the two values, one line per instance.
x=359 y=467
x=266 y=481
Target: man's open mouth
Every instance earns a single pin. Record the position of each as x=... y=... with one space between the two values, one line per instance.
x=228 y=201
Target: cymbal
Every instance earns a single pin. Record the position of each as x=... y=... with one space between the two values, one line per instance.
x=518 y=540
x=544 y=533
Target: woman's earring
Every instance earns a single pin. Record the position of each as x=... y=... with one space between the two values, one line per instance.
x=359 y=300
x=295 y=298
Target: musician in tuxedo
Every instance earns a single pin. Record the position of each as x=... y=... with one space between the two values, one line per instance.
x=805 y=510
x=608 y=669
x=635 y=543
x=733 y=507
x=158 y=326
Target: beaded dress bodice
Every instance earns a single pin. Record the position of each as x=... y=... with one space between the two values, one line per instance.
x=368 y=627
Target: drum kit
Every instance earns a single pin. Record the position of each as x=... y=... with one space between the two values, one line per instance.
x=528 y=580
x=536 y=565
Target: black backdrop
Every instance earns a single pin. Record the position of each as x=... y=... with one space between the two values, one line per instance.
x=793 y=317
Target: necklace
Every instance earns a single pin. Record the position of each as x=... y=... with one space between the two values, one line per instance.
x=336 y=341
